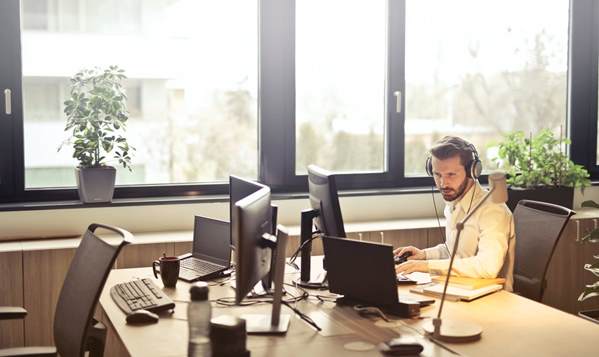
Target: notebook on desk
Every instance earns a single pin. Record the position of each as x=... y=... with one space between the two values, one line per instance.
x=456 y=293
x=467 y=283
x=211 y=252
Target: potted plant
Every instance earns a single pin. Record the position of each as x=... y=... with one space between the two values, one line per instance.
x=591 y=290
x=538 y=169
x=96 y=118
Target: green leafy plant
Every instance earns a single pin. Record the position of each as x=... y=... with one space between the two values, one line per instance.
x=539 y=161
x=97 y=115
x=591 y=290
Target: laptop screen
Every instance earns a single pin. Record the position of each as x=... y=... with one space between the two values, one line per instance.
x=211 y=240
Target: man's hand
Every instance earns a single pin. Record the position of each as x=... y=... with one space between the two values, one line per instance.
x=412 y=266
x=417 y=254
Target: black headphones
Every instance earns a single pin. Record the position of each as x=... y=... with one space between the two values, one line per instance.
x=473 y=168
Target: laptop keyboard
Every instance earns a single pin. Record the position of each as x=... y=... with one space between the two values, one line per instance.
x=200 y=267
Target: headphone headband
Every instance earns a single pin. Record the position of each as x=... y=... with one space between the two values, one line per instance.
x=473 y=168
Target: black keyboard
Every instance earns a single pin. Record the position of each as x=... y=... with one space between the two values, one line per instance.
x=201 y=267
x=140 y=294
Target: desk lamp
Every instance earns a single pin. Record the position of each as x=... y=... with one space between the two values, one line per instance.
x=454 y=330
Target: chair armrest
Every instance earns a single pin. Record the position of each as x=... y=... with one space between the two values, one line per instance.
x=28 y=352
x=12 y=312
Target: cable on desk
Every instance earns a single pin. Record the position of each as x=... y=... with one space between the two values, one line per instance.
x=293 y=256
x=303 y=316
x=325 y=298
x=221 y=281
x=230 y=302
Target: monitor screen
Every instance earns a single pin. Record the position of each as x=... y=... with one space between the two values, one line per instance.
x=250 y=220
x=323 y=197
x=211 y=240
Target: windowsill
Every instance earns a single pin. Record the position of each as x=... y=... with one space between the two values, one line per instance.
x=124 y=202
x=174 y=200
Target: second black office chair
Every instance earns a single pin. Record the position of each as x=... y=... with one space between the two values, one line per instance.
x=539 y=226
x=75 y=330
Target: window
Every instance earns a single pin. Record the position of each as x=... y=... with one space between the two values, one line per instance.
x=501 y=67
x=263 y=88
x=192 y=87
x=340 y=81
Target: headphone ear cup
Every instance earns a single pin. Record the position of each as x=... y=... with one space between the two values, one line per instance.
x=428 y=166
x=476 y=168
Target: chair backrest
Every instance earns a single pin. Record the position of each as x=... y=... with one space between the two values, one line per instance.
x=82 y=287
x=538 y=228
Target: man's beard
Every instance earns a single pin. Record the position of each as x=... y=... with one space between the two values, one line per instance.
x=449 y=197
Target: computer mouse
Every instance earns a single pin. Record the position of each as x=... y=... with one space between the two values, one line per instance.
x=401 y=346
x=398 y=259
x=141 y=317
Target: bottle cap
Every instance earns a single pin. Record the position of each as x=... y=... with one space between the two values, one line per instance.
x=199 y=291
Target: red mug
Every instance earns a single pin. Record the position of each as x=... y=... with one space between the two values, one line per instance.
x=169 y=270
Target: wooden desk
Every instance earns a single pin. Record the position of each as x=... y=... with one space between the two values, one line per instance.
x=513 y=326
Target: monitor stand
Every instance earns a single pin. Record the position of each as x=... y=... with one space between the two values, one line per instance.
x=306 y=232
x=276 y=323
x=319 y=282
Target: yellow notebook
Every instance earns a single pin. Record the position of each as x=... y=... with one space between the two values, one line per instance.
x=468 y=283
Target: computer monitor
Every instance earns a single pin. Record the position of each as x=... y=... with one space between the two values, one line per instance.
x=240 y=188
x=322 y=187
x=325 y=215
x=250 y=221
x=251 y=226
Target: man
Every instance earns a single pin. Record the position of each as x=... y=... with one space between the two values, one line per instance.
x=486 y=247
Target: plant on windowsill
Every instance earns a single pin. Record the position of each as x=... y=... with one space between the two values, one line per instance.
x=96 y=116
x=590 y=290
x=538 y=169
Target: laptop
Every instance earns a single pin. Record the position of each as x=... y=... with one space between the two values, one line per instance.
x=364 y=272
x=211 y=252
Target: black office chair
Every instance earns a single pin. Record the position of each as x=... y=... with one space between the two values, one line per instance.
x=75 y=330
x=539 y=226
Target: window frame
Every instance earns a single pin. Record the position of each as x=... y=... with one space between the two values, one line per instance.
x=11 y=129
x=284 y=178
x=276 y=108
x=583 y=84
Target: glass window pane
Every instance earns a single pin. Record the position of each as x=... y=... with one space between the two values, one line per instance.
x=477 y=69
x=340 y=84
x=192 y=85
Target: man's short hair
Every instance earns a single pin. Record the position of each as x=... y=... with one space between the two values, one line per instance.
x=450 y=146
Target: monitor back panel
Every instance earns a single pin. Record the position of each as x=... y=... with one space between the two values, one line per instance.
x=359 y=270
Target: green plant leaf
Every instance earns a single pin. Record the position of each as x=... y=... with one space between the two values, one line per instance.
x=589 y=292
x=591 y=237
x=593 y=268
x=97 y=107
x=539 y=161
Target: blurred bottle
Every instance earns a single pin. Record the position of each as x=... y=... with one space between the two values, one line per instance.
x=198 y=317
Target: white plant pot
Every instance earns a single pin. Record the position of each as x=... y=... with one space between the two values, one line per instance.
x=95 y=184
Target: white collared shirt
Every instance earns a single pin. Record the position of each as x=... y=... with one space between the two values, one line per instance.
x=486 y=247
